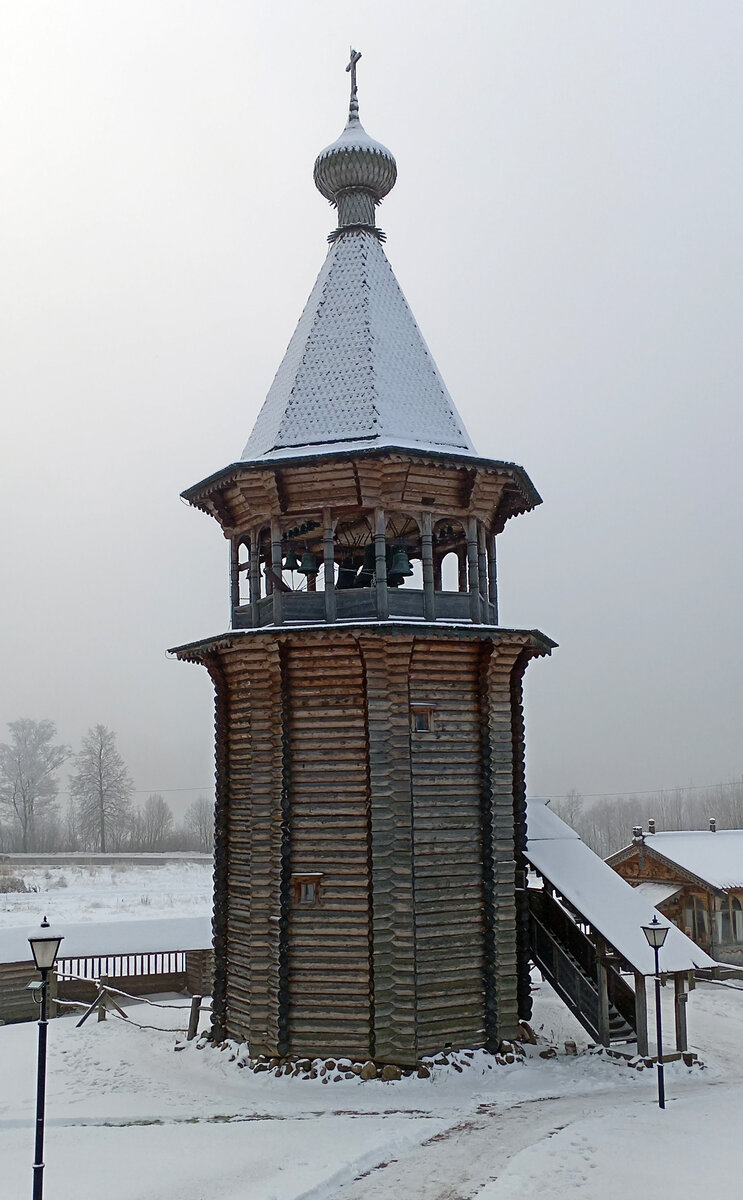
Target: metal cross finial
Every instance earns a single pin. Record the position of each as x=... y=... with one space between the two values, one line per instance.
x=355 y=56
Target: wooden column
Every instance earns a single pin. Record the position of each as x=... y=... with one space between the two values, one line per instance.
x=473 y=570
x=391 y=848
x=603 y=983
x=493 y=577
x=234 y=576
x=328 y=548
x=429 y=598
x=380 y=552
x=679 y=1009
x=255 y=577
x=276 y=568
x=462 y=565
x=482 y=568
x=641 y=1014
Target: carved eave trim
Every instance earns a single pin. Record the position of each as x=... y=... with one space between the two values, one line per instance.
x=226 y=497
x=673 y=868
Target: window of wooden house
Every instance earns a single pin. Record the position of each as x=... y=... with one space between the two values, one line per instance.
x=729 y=920
x=306 y=889
x=696 y=919
x=422 y=719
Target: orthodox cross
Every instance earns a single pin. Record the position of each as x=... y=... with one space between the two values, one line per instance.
x=355 y=56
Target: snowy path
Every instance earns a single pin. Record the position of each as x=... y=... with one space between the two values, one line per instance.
x=456 y=1163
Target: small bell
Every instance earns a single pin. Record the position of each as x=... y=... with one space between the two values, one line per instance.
x=308 y=565
x=291 y=562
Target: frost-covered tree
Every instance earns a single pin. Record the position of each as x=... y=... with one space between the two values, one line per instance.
x=101 y=790
x=28 y=765
x=199 y=823
x=155 y=823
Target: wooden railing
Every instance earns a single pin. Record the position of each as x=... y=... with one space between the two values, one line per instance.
x=169 y=962
x=361 y=603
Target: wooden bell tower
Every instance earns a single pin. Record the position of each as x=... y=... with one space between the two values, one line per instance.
x=370 y=819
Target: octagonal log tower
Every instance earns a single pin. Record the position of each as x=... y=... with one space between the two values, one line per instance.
x=370 y=815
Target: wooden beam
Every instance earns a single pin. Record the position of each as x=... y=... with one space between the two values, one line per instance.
x=679 y=1009
x=329 y=564
x=641 y=1014
x=380 y=551
x=276 y=549
x=603 y=983
x=429 y=597
x=473 y=570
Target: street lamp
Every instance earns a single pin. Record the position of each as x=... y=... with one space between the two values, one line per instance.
x=44 y=947
x=656 y=936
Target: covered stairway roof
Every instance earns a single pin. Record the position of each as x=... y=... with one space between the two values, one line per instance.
x=612 y=908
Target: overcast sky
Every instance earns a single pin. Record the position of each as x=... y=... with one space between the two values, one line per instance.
x=567 y=229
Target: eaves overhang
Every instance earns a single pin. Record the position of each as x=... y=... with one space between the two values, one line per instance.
x=533 y=640
x=628 y=852
x=214 y=483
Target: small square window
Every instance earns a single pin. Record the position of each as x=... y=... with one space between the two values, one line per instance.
x=421 y=719
x=306 y=889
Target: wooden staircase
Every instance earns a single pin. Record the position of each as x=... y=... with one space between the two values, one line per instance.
x=570 y=961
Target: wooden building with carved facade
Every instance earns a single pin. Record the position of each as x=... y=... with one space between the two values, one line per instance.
x=370 y=820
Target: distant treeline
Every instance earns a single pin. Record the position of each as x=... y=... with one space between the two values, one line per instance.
x=100 y=814
x=606 y=824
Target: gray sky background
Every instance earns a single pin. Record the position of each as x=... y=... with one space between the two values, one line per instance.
x=567 y=228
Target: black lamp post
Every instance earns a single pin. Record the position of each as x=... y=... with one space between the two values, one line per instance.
x=656 y=935
x=44 y=947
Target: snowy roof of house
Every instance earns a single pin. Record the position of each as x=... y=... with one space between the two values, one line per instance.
x=656 y=893
x=610 y=905
x=100 y=938
x=714 y=857
x=357 y=372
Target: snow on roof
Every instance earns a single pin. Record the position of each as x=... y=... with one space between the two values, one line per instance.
x=715 y=857
x=357 y=370
x=114 y=937
x=656 y=893
x=611 y=906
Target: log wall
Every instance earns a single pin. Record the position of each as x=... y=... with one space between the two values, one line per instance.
x=393 y=930
x=329 y=997
x=446 y=789
x=499 y=781
x=413 y=940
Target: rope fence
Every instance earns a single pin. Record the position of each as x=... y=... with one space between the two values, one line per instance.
x=104 y=1004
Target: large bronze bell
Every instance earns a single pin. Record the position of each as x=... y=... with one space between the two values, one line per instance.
x=400 y=564
x=291 y=562
x=308 y=565
x=370 y=558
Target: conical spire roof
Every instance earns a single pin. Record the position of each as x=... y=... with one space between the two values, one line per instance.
x=357 y=372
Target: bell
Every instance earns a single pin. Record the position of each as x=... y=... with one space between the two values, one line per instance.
x=308 y=565
x=370 y=558
x=400 y=564
x=291 y=562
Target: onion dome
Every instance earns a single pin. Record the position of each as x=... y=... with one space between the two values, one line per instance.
x=355 y=173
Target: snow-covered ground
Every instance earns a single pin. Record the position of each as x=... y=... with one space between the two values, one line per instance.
x=129 y=1118
x=104 y=893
